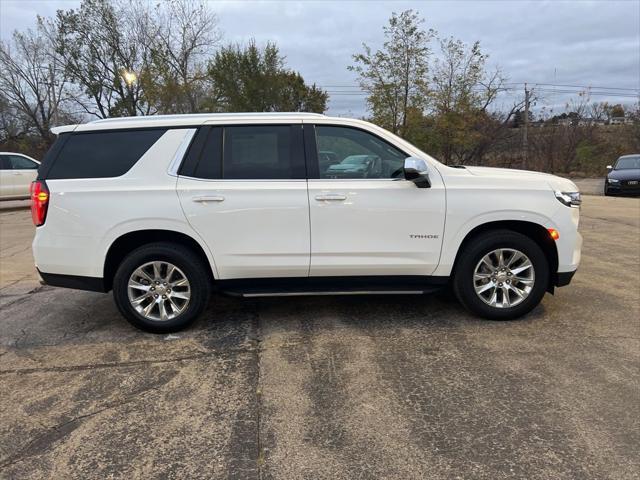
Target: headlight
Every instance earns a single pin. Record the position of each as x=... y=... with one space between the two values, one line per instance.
x=612 y=180
x=570 y=199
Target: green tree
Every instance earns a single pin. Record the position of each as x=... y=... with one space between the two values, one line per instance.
x=617 y=111
x=462 y=93
x=518 y=118
x=395 y=77
x=251 y=79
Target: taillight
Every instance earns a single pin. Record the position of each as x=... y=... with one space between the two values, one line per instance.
x=39 y=202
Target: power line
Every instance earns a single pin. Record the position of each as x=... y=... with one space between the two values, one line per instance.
x=517 y=85
x=538 y=90
x=590 y=94
x=587 y=87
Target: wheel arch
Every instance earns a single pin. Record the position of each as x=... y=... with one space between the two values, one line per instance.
x=538 y=233
x=129 y=241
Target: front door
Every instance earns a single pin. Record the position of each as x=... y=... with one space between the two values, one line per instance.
x=6 y=177
x=246 y=196
x=366 y=219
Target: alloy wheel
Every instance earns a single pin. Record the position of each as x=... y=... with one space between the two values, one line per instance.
x=504 y=278
x=159 y=291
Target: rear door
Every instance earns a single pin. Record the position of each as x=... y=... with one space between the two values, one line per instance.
x=366 y=219
x=24 y=171
x=243 y=189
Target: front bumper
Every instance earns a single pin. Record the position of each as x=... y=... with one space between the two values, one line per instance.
x=625 y=187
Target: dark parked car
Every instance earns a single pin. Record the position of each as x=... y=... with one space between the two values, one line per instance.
x=624 y=176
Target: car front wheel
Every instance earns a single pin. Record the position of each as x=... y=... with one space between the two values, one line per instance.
x=501 y=275
x=161 y=287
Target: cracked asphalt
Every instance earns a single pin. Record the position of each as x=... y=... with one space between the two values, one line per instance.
x=328 y=387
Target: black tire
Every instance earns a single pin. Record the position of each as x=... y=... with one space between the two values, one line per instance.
x=463 y=284
x=183 y=258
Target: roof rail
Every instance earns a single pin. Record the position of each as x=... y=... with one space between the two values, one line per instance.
x=206 y=115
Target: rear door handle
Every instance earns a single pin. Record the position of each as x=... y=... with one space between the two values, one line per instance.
x=208 y=198
x=331 y=197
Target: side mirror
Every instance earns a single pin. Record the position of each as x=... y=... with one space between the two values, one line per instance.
x=416 y=171
x=609 y=167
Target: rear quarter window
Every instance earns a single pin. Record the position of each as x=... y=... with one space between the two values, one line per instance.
x=102 y=154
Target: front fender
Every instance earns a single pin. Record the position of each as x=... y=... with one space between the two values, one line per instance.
x=456 y=232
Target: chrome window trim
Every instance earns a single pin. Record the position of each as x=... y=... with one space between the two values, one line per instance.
x=396 y=179
x=236 y=180
x=312 y=180
x=174 y=166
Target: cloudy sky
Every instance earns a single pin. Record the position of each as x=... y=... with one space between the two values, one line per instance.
x=575 y=43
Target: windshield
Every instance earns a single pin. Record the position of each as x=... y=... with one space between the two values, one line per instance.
x=628 y=163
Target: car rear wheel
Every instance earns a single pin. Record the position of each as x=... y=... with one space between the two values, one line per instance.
x=501 y=275
x=161 y=287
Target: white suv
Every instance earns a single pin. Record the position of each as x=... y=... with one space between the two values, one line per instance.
x=164 y=209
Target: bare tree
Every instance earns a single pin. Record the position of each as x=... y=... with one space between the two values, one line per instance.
x=13 y=123
x=183 y=41
x=32 y=81
x=599 y=111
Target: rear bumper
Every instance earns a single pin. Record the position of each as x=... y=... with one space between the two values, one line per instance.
x=564 y=278
x=93 y=284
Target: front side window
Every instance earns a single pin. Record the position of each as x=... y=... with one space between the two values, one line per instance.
x=345 y=152
x=260 y=152
x=102 y=154
x=21 y=163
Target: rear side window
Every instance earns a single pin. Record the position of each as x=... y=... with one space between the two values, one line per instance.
x=246 y=152
x=102 y=154
x=258 y=152
x=21 y=163
x=210 y=165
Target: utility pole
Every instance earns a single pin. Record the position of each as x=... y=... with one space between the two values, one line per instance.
x=525 y=135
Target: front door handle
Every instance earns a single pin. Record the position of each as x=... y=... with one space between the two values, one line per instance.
x=208 y=198
x=331 y=197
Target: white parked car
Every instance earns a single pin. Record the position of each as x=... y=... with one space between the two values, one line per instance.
x=163 y=209
x=17 y=171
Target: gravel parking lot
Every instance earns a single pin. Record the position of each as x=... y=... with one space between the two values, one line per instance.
x=328 y=387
